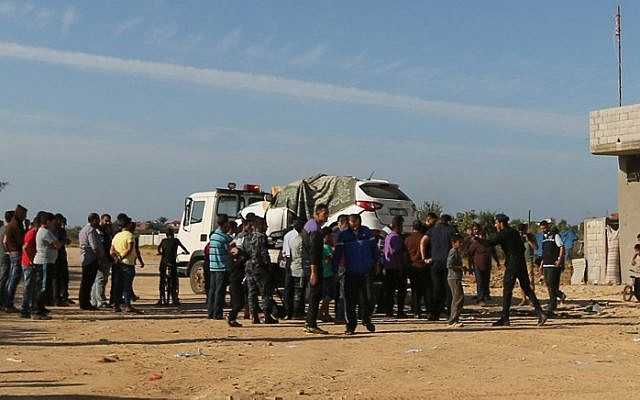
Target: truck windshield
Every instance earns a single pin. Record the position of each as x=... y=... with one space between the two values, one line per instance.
x=383 y=191
x=228 y=205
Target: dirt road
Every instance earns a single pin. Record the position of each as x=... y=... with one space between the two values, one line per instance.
x=100 y=355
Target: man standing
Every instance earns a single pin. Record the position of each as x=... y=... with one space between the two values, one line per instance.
x=257 y=272
x=295 y=282
x=393 y=262
x=58 y=278
x=218 y=267
x=168 y=250
x=358 y=247
x=105 y=234
x=419 y=278
x=287 y=241
x=12 y=241
x=481 y=255
x=123 y=251
x=313 y=246
x=91 y=254
x=5 y=264
x=237 y=276
x=47 y=246
x=552 y=263
x=343 y=225
x=515 y=268
x=439 y=238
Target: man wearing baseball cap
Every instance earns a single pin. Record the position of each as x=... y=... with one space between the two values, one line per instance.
x=515 y=268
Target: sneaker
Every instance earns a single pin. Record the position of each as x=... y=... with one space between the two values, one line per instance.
x=135 y=298
x=370 y=327
x=542 y=319
x=234 y=324
x=268 y=319
x=349 y=332
x=502 y=322
x=326 y=318
x=69 y=301
x=25 y=315
x=401 y=316
x=457 y=325
x=41 y=317
x=314 y=330
x=256 y=320
x=117 y=309
x=131 y=310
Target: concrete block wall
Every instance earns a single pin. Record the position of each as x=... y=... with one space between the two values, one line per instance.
x=615 y=131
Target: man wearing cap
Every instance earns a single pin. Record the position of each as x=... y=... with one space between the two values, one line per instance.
x=515 y=268
x=552 y=263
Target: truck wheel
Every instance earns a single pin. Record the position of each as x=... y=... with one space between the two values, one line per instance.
x=196 y=277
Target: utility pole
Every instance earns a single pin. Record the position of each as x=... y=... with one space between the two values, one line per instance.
x=619 y=41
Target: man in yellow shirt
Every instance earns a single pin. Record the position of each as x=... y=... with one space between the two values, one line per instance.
x=123 y=251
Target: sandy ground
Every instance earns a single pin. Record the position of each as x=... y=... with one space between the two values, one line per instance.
x=581 y=356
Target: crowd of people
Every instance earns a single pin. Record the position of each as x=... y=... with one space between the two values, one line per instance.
x=359 y=271
x=344 y=264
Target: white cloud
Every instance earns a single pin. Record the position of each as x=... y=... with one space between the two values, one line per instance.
x=127 y=25
x=310 y=57
x=69 y=18
x=534 y=121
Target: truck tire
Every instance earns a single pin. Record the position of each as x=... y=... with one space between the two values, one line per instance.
x=196 y=277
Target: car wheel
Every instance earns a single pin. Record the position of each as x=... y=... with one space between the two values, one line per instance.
x=196 y=277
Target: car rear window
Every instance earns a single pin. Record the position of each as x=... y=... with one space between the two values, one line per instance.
x=383 y=191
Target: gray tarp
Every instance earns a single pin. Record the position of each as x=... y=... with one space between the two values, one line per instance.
x=338 y=192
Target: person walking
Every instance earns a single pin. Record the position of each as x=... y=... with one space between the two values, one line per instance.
x=515 y=269
x=481 y=255
x=168 y=251
x=313 y=246
x=439 y=239
x=219 y=265
x=530 y=248
x=394 y=269
x=91 y=254
x=419 y=277
x=454 y=279
x=123 y=251
x=552 y=263
x=5 y=263
x=12 y=241
x=358 y=247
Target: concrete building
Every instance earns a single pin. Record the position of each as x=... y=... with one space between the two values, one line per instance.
x=616 y=132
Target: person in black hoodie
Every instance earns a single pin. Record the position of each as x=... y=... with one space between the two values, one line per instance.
x=515 y=268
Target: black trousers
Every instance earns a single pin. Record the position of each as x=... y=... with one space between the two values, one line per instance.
x=483 y=283
x=288 y=291
x=511 y=274
x=340 y=309
x=300 y=285
x=552 y=278
x=420 y=280
x=51 y=283
x=168 y=287
x=439 y=288
x=238 y=295
x=61 y=291
x=315 y=296
x=217 y=291
x=355 y=294
x=395 y=289
x=88 y=277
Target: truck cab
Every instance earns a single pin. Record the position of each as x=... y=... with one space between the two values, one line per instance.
x=199 y=220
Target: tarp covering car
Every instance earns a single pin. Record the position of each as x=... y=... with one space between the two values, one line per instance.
x=337 y=192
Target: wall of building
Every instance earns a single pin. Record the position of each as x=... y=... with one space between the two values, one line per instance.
x=629 y=209
x=615 y=131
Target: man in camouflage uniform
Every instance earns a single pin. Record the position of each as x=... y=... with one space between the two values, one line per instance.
x=257 y=272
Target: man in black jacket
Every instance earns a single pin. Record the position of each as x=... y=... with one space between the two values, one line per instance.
x=515 y=268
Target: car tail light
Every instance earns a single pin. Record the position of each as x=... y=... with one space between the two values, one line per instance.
x=369 y=205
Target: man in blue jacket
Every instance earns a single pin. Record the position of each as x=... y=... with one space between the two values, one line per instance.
x=357 y=246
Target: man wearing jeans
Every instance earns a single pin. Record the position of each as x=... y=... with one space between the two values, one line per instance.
x=313 y=245
x=13 y=246
x=91 y=253
x=98 y=295
x=5 y=266
x=47 y=247
x=31 y=274
x=123 y=251
x=218 y=267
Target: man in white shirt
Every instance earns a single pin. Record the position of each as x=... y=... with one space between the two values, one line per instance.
x=288 y=243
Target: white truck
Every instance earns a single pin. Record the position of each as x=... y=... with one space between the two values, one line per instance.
x=199 y=220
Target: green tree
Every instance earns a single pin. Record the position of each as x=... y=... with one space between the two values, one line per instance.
x=433 y=206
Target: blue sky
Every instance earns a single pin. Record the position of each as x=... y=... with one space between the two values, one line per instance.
x=129 y=106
